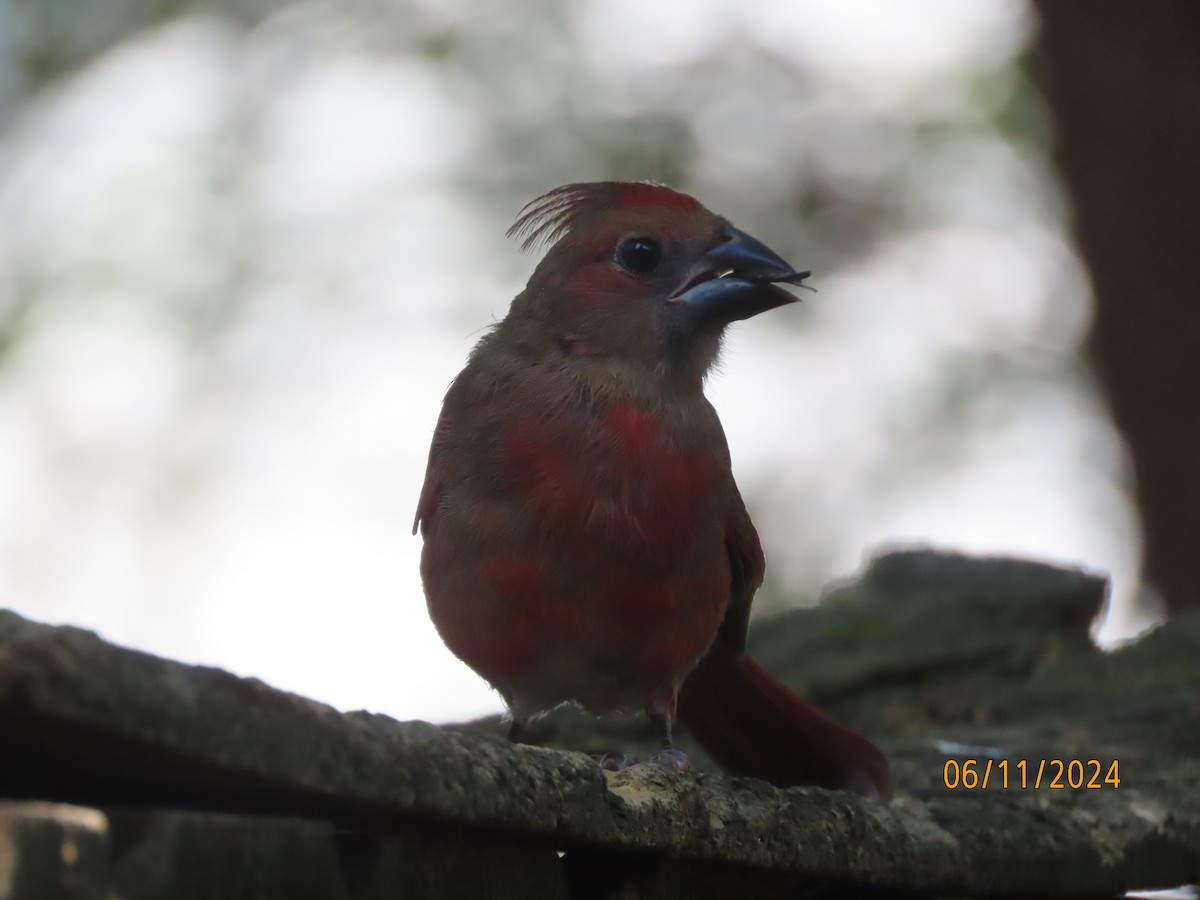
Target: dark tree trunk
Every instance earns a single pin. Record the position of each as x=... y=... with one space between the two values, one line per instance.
x=1123 y=85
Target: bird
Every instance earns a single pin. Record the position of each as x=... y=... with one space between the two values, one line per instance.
x=584 y=541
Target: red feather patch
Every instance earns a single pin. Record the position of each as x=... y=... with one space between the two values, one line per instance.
x=555 y=214
x=648 y=193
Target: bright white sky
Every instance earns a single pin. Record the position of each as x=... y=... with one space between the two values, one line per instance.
x=247 y=504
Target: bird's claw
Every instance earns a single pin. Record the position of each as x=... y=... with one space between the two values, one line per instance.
x=672 y=758
x=613 y=762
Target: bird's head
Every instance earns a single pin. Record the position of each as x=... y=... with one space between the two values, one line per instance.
x=642 y=276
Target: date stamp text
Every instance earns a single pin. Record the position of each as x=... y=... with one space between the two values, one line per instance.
x=1025 y=774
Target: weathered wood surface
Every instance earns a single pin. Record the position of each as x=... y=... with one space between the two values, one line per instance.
x=937 y=656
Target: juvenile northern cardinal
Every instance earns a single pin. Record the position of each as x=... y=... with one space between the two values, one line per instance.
x=584 y=538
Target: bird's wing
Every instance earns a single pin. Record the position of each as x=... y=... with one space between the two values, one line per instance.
x=746 y=569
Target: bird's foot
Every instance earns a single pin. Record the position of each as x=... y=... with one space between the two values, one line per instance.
x=672 y=758
x=612 y=762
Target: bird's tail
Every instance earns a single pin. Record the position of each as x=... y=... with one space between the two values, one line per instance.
x=752 y=725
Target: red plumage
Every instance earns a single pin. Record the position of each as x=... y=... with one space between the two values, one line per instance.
x=584 y=538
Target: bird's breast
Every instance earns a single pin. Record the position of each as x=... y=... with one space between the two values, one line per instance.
x=578 y=551
x=615 y=482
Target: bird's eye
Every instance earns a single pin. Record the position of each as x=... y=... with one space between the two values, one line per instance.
x=639 y=255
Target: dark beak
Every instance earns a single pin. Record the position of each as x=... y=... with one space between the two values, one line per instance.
x=739 y=278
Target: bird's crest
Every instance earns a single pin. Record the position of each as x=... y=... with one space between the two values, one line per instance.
x=553 y=215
